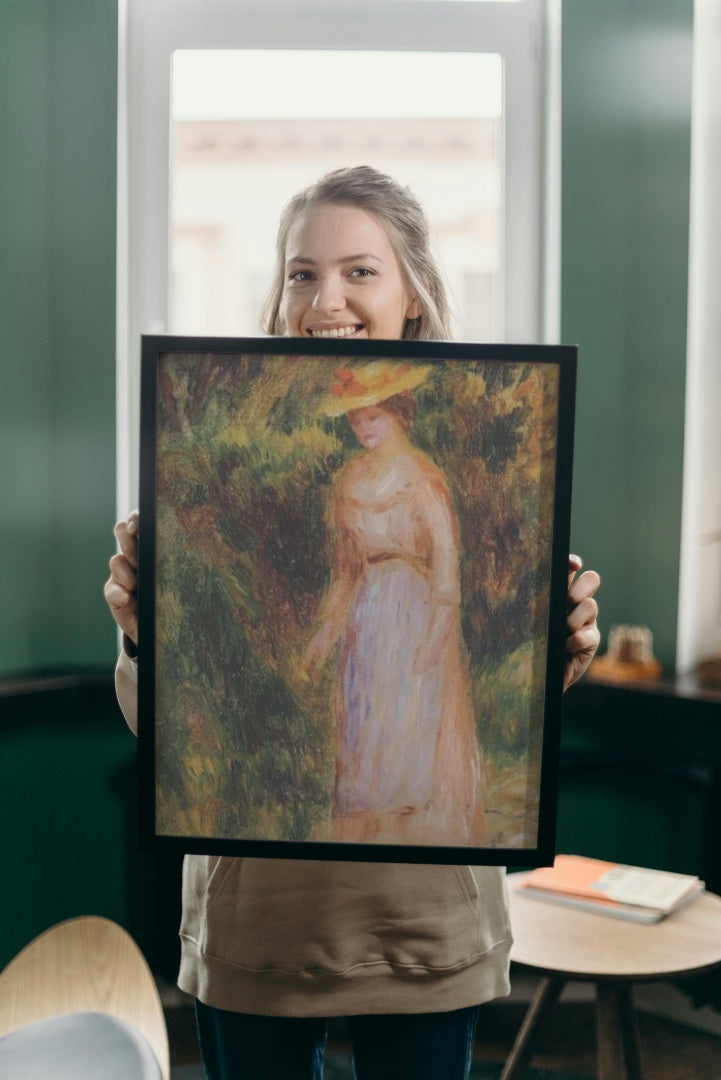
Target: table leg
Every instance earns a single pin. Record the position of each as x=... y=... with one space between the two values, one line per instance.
x=545 y=997
x=617 y=1033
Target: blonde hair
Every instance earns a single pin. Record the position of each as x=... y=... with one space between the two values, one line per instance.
x=403 y=217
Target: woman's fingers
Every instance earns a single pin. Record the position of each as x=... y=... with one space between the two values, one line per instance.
x=123 y=607
x=582 y=612
x=121 y=587
x=575 y=562
x=582 y=586
x=123 y=572
x=126 y=533
x=583 y=636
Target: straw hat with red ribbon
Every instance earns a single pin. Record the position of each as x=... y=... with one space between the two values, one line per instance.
x=372 y=383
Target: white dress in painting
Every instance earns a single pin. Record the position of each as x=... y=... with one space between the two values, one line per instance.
x=408 y=766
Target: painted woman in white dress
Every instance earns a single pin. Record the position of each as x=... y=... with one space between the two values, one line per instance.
x=408 y=765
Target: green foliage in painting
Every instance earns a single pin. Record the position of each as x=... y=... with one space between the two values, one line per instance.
x=247 y=457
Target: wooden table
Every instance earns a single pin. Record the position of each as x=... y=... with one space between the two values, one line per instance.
x=563 y=944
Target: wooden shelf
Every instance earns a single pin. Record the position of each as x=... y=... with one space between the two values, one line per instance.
x=682 y=697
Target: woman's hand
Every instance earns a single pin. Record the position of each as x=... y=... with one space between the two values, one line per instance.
x=430 y=650
x=583 y=635
x=121 y=587
x=317 y=651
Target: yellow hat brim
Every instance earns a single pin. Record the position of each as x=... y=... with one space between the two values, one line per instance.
x=370 y=384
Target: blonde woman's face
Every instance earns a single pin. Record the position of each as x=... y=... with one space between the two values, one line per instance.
x=342 y=277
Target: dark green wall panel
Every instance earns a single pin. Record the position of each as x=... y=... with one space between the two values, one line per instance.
x=26 y=395
x=626 y=145
x=68 y=799
x=62 y=788
x=58 y=77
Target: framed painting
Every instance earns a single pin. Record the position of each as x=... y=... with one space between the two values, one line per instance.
x=352 y=597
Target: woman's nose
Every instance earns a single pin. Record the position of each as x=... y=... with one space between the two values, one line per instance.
x=329 y=296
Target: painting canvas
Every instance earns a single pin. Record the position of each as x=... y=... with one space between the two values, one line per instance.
x=353 y=572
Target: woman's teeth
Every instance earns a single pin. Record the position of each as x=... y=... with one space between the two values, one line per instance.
x=337 y=331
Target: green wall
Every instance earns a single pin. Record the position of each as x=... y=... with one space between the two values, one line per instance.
x=58 y=72
x=626 y=145
x=67 y=761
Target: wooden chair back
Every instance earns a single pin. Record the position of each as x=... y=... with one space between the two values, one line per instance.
x=87 y=964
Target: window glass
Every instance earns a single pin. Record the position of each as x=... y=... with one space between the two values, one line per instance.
x=251 y=127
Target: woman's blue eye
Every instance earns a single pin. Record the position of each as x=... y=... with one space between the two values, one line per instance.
x=362 y=271
x=299 y=275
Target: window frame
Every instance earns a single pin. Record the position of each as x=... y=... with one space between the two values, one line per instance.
x=526 y=34
x=699 y=593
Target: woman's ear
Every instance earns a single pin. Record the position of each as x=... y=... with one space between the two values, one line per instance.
x=415 y=309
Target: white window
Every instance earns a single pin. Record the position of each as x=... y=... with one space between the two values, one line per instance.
x=227 y=107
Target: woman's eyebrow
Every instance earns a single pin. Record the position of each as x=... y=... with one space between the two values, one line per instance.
x=363 y=256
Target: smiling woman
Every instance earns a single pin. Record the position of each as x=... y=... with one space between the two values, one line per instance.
x=296 y=941
x=353 y=259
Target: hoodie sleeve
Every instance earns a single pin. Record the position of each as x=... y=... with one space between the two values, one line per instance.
x=126 y=688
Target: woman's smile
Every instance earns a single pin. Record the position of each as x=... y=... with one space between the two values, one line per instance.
x=335 y=331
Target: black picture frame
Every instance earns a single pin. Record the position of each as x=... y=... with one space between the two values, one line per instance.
x=301 y=584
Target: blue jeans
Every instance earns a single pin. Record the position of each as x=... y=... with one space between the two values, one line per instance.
x=415 y=1046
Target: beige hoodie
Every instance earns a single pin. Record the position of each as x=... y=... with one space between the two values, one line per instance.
x=286 y=937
